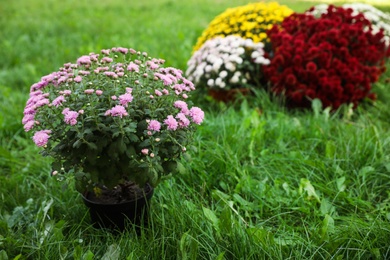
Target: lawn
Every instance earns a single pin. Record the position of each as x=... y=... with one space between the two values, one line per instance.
x=261 y=181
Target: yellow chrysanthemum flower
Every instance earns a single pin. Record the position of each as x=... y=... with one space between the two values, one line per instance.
x=248 y=21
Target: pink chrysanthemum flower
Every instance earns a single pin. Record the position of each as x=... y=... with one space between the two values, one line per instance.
x=106 y=60
x=40 y=138
x=58 y=101
x=99 y=92
x=118 y=110
x=125 y=99
x=165 y=78
x=171 y=123
x=197 y=115
x=133 y=67
x=29 y=111
x=152 y=65
x=84 y=72
x=111 y=74
x=65 y=110
x=183 y=106
x=42 y=102
x=157 y=92
x=71 y=117
x=154 y=125
x=27 y=117
x=145 y=151
x=122 y=50
x=183 y=120
x=78 y=79
x=29 y=125
x=89 y=91
x=106 y=52
x=86 y=60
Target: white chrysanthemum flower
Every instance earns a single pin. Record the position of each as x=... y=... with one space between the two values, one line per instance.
x=255 y=54
x=208 y=68
x=216 y=66
x=223 y=74
x=218 y=82
x=230 y=66
x=240 y=51
x=234 y=80
x=262 y=60
x=210 y=83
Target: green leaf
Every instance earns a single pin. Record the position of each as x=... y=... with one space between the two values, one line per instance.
x=306 y=186
x=3 y=255
x=77 y=144
x=87 y=131
x=121 y=146
x=316 y=106
x=341 y=184
x=327 y=227
x=226 y=221
x=210 y=215
x=133 y=138
x=260 y=235
x=188 y=247
x=92 y=146
x=113 y=252
x=220 y=256
x=88 y=255
x=130 y=151
x=19 y=256
x=326 y=207
x=330 y=149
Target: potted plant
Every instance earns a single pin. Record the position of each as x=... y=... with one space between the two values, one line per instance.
x=118 y=121
x=226 y=66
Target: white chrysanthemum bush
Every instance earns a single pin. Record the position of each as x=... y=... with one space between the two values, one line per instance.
x=227 y=63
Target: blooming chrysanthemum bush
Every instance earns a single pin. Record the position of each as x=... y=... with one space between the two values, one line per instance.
x=379 y=20
x=227 y=63
x=249 y=21
x=113 y=117
x=334 y=58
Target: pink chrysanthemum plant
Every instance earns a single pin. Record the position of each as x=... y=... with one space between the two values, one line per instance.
x=113 y=117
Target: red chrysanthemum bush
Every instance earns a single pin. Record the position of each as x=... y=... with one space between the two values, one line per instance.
x=334 y=58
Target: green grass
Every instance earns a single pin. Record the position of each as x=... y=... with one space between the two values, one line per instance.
x=261 y=182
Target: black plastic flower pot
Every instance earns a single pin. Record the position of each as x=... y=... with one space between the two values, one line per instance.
x=118 y=216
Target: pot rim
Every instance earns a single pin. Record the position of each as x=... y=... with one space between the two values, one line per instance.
x=147 y=195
